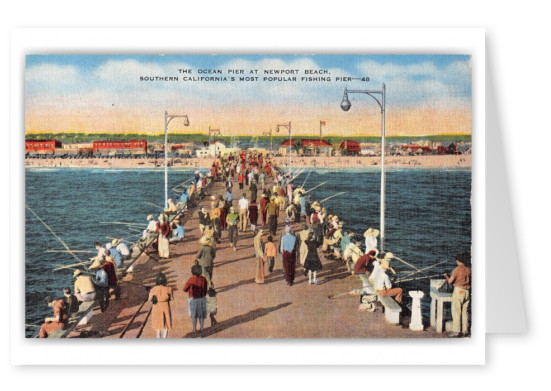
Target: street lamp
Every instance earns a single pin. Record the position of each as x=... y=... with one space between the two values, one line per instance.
x=169 y=118
x=345 y=105
x=288 y=126
x=213 y=132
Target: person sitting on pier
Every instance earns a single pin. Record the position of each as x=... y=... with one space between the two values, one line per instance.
x=114 y=253
x=102 y=252
x=58 y=321
x=122 y=248
x=151 y=226
x=184 y=197
x=380 y=279
x=84 y=287
x=461 y=298
x=71 y=301
x=288 y=251
x=177 y=231
x=171 y=207
x=364 y=265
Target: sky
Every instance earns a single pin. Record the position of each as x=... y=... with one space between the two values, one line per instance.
x=425 y=94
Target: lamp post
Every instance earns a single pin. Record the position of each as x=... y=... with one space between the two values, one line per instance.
x=345 y=105
x=213 y=132
x=169 y=118
x=288 y=126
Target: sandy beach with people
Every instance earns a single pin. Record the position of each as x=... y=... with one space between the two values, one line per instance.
x=428 y=161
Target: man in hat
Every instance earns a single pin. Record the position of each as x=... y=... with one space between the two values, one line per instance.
x=461 y=297
x=204 y=219
x=243 y=205
x=371 y=239
x=114 y=253
x=352 y=254
x=122 y=248
x=58 y=321
x=151 y=226
x=102 y=285
x=288 y=252
x=84 y=287
x=205 y=257
x=380 y=279
x=184 y=197
x=272 y=210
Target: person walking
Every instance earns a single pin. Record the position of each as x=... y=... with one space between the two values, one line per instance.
x=252 y=215
x=243 y=206
x=212 y=308
x=161 y=317
x=312 y=262
x=205 y=257
x=461 y=297
x=163 y=231
x=204 y=219
x=264 y=200
x=215 y=214
x=253 y=188
x=260 y=257
x=288 y=245
x=303 y=236
x=273 y=211
x=232 y=219
x=270 y=251
x=196 y=286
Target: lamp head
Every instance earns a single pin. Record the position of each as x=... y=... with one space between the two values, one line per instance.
x=186 y=121
x=345 y=104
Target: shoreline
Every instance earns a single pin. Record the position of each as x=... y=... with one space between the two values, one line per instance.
x=430 y=161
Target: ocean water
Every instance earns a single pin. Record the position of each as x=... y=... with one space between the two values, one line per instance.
x=428 y=215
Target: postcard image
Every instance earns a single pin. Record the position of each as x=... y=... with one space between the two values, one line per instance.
x=248 y=196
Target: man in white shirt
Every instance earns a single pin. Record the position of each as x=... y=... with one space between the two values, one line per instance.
x=371 y=239
x=243 y=206
x=382 y=283
x=122 y=248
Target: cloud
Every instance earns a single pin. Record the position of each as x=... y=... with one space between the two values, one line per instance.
x=423 y=84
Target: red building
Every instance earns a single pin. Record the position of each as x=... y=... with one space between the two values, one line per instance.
x=42 y=146
x=129 y=146
x=350 y=146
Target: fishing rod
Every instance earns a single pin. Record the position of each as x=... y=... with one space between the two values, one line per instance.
x=133 y=283
x=75 y=251
x=119 y=222
x=422 y=270
x=303 y=183
x=126 y=237
x=419 y=278
x=334 y=195
x=52 y=231
x=69 y=266
x=186 y=181
x=151 y=203
x=404 y=262
x=323 y=183
x=32 y=325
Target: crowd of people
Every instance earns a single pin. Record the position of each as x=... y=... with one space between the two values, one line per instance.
x=255 y=205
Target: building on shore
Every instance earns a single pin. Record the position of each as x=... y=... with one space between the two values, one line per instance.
x=215 y=149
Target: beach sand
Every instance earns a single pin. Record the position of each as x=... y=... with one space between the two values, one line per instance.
x=429 y=161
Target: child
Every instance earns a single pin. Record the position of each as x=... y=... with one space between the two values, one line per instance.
x=270 y=252
x=211 y=306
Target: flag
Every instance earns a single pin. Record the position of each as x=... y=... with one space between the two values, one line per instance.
x=322 y=122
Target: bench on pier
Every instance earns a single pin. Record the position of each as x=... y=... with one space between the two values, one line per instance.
x=392 y=308
x=82 y=317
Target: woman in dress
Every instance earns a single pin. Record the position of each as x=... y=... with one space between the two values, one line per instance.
x=196 y=285
x=253 y=215
x=312 y=262
x=260 y=258
x=161 y=296
x=163 y=229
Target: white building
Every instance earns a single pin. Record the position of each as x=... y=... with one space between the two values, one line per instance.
x=215 y=150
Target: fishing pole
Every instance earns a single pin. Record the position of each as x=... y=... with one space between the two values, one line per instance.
x=133 y=283
x=52 y=231
x=323 y=183
x=119 y=222
x=425 y=268
x=186 y=181
x=151 y=203
x=126 y=237
x=303 y=183
x=419 y=278
x=32 y=325
x=334 y=195
x=75 y=251
x=409 y=264
x=69 y=266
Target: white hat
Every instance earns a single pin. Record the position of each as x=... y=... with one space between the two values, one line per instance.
x=371 y=232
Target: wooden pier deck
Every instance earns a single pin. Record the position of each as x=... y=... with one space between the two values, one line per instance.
x=245 y=309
